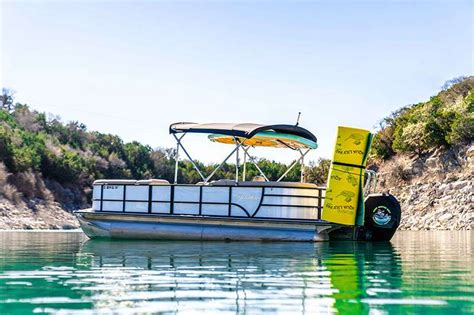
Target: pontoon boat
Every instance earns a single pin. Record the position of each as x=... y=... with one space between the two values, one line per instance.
x=249 y=210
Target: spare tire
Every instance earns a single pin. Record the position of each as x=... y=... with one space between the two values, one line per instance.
x=382 y=217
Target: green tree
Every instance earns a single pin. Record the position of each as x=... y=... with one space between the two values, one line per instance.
x=6 y=99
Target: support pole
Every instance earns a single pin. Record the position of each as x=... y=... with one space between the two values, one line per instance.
x=189 y=157
x=252 y=159
x=176 y=164
x=302 y=166
x=237 y=145
x=220 y=165
x=293 y=165
x=245 y=165
x=177 y=157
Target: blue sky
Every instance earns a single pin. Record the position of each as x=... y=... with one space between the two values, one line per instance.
x=132 y=68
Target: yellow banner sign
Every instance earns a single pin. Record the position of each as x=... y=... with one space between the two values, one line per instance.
x=344 y=195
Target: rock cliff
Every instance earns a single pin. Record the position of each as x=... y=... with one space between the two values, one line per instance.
x=436 y=191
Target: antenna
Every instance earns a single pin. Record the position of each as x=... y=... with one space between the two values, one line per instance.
x=298 y=120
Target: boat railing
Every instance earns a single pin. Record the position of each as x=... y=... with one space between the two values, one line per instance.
x=222 y=198
x=370 y=185
x=253 y=200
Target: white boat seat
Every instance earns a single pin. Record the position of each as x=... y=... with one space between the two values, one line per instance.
x=277 y=184
x=223 y=182
x=153 y=181
x=115 y=182
x=230 y=182
x=258 y=179
x=220 y=182
x=131 y=182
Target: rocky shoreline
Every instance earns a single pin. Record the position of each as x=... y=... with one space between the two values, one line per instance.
x=436 y=191
x=35 y=215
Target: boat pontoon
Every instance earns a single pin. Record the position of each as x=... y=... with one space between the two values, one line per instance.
x=241 y=209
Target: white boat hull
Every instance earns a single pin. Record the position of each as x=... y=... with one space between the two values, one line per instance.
x=157 y=227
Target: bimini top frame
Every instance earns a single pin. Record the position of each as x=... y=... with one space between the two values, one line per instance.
x=245 y=136
x=246 y=130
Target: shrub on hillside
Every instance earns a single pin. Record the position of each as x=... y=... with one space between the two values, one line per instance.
x=69 y=167
x=26 y=119
x=6 y=99
x=317 y=173
x=69 y=196
x=164 y=163
x=31 y=185
x=462 y=126
x=446 y=119
x=7 y=190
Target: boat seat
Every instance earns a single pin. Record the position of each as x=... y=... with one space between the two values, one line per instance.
x=223 y=182
x=258 y=179
x=153 y=182
x=230 y=182
x=220 y=182
x=131 y=182
x=277 y=184
x=115 y=182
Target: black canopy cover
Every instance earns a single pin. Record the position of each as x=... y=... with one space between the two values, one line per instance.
x=244 y=130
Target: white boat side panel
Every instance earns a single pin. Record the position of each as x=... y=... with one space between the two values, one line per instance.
x=161 y=193
x=158 y=207
x=136 y=207
x=186 y=193
x=215 y=209
x=136 y=193
x=215 y=194
x=112 y=205
x=247 y=197
x=96 y=205
x=114 y=192
x=287 y=213
x=186 y=208
x=278 y=200
x=291 y=191
x=96 y=192
x=297 y=201
x=237 y=212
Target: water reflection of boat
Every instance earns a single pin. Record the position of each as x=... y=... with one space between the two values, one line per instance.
x=239 y=209
x=317 y=276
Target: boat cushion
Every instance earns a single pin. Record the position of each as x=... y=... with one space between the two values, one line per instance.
x=278 y=184
x=115 y=182
x=153 y=181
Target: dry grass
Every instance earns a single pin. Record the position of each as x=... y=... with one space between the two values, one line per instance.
x=27 y=120
x=401 y=173
x=7 y=190
x=32 y=186
x=69 y=197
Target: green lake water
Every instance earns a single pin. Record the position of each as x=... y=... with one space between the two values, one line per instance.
x=65 y=273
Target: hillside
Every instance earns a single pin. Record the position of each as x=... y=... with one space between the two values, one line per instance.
x=422 y=152
x=424 y=155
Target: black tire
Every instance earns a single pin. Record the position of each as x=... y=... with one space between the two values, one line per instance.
x=382 y=217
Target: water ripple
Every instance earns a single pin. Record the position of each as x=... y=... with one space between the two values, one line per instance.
x=64 y=273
